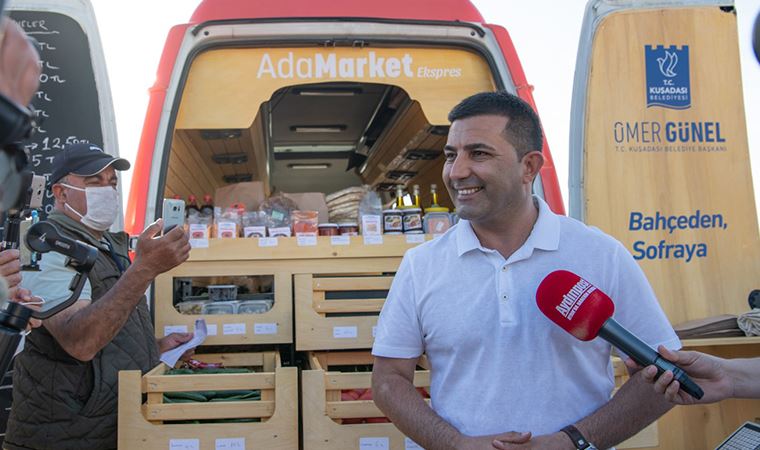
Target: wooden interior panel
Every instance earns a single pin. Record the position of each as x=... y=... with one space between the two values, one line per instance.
x=431 y=173
x=192 y=169
x=256 y=136
x=188 y=173
x=406 y=124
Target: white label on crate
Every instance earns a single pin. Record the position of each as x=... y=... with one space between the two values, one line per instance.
x=233 y=328
x=169 y=329
x=264 y=328
x=411 y=445
x=374 y=443
x=306 y=240
x=373 y=240
x=211 y=329
x=415 y=238
x=184 y=444
x=231 y=444
x=340 y=240
x=199 y=243
x=268 y=242
x=345 y=332
x=374 y=331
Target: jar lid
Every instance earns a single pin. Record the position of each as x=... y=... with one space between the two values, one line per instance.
x=327 y=225
x=391 y=211
x=437 y=209
x=412 y=210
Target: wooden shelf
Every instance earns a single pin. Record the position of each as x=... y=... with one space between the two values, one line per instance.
x=721 y=341
x=287 y=248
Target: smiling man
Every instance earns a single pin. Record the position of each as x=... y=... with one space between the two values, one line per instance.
x=467 y=300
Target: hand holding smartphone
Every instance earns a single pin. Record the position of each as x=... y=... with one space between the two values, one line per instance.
x=173 y=214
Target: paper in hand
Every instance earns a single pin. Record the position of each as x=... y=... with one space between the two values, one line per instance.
x=171 y=357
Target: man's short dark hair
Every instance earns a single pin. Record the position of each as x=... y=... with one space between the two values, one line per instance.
x=523 y=128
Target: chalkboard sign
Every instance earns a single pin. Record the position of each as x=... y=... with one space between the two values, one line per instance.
x=66 y=105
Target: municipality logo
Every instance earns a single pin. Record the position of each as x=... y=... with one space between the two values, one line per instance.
x=668 y=83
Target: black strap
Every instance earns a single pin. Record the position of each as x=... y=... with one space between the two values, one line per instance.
x=115 y=256
x=579 y=441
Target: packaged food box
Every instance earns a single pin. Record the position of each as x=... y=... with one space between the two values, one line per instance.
x=220 y=308
x=191 y=306
x=305 y=223
x=254 y=306
x=222 y=292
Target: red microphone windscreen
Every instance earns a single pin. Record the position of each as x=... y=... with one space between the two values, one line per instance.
x=574 y=304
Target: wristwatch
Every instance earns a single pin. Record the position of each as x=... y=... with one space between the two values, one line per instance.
x=581 y=443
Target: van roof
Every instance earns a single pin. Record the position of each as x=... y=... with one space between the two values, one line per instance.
x=436 y=10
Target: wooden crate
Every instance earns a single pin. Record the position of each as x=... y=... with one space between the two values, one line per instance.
x=272 y=327
x=243 y=257
x=323 y=411
x=141 y=425
x=354 y=328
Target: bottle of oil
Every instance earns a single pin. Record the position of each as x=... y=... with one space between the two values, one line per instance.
x=416 y=196
x=399 y=197
x=434 y=196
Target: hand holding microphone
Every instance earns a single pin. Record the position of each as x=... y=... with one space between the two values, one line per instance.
x=581 y=309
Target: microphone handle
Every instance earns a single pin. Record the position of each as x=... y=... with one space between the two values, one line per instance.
x=644 y=355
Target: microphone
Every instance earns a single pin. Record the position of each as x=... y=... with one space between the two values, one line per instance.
x=583 y=310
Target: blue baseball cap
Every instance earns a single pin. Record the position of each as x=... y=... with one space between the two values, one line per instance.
x=84 y=160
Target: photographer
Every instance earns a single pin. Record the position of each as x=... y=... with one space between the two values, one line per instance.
x=19 y=73
x=66 y=378
x=19 y=63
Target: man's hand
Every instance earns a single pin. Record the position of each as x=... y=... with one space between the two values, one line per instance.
x=19 y=64
x=491 y=441
x=705 y=370
x=555 y=441
x=174 y=340
x=10 y=269
x=25 y=297
x=156 y=255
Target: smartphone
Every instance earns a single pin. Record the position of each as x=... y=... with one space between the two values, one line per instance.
x=173 y=214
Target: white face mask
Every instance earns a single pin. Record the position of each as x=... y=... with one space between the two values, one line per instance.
x=102 y=206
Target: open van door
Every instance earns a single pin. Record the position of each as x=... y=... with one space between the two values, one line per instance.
x=660 y=160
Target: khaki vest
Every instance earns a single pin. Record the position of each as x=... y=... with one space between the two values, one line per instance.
x=60 y=402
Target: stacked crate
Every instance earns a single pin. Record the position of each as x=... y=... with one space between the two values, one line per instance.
x=148 y=421
x=336 y=310
x=327 y=298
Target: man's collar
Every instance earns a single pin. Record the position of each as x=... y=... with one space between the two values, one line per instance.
x=544 y=236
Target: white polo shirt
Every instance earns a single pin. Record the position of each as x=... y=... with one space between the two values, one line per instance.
x=497 y=363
